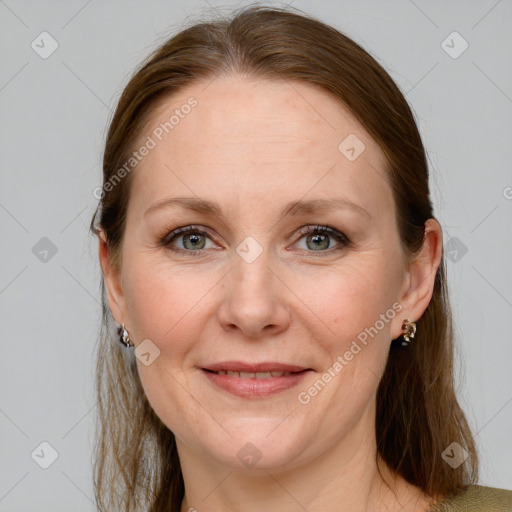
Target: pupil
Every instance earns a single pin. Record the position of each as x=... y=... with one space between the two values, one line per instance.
x=195 y=240
x=318 y=239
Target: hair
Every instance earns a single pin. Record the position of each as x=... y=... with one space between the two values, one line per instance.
x=418 y=416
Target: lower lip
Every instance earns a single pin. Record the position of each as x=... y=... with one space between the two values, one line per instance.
x=253 y=387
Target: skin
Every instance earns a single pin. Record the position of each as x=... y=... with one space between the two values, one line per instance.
x=252 y=146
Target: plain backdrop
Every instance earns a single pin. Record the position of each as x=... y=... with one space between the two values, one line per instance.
x=54 y=112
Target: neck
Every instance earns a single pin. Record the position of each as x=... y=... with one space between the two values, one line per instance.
x=346 y=477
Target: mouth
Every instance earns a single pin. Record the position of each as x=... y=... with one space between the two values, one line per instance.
x=254 y=380
x=252 y=375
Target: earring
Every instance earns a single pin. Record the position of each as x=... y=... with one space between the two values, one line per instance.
x=409 y=331
x=124 y=338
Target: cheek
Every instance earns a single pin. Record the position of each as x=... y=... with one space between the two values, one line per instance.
x=349 y=299
x=164 y=300
x=164 y=305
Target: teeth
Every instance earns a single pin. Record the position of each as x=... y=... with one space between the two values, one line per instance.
x=252 y=375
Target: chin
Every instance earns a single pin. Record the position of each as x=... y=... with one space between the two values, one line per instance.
x=257 y=456
x=251 y=447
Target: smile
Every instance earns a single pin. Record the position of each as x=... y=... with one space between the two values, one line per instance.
x=252 y=375
x=255 y=384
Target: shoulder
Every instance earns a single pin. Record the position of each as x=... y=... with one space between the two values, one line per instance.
x=477 y=498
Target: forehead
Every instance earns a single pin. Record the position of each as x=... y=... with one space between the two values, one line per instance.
x=249 y=137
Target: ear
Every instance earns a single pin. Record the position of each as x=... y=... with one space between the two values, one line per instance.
x=112 y=277
x=420 y=277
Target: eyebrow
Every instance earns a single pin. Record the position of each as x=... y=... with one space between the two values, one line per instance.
x=293 y=208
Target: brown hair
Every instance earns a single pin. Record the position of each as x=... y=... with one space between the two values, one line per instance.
x=418 y=416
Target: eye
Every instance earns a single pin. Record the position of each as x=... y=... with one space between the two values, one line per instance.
x=192 y=240
x=318 y=239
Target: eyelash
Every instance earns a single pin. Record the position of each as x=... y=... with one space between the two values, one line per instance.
x=340 y=237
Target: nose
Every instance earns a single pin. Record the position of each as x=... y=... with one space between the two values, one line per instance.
x=255 y=299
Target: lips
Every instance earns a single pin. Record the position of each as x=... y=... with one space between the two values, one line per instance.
x=254 y=380
x=253 y=375
x=243 y=367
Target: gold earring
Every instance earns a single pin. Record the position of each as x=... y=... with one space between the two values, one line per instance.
x=409 y=331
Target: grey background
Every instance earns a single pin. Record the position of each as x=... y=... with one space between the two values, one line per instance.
x=54 y=114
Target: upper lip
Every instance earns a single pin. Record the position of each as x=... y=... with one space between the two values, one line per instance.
x=242 y=366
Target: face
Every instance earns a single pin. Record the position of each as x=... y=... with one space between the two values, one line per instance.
x=252 y=287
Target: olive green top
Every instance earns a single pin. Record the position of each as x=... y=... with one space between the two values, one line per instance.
x=477 y=498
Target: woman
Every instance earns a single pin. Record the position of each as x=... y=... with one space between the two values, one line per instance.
x=271 y=257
